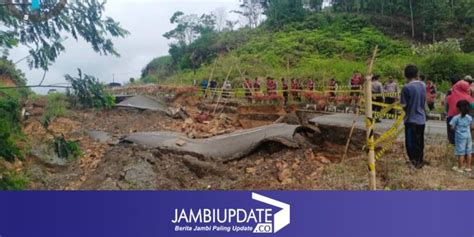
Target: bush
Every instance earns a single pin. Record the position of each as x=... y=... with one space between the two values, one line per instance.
x=468 y=42
x=9 y=127
x=449 y=46
x=8 y=68
x=66 y=149
x=56 y=107
x=441 y=67
x=12 y=181
x=90 y=92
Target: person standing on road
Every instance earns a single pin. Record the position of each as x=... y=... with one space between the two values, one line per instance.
x=213 y=86
x=356 y=86
x=248 y=89
x=460 y=91
x=256 y=85
x=430 y=95
x=461 y=124
x=284 y=86
x=454 y=80
x=413 y=100
x=377 y=90
x=332 y=87
x=391 y=87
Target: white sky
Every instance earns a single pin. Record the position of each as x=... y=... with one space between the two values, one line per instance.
x=147 y=21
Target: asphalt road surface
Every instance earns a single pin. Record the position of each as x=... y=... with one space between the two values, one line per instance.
x=434 y=129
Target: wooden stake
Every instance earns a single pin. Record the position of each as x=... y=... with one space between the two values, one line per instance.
x=220 y=96
x=356 y=117
x=370 y=124
x=210 y=78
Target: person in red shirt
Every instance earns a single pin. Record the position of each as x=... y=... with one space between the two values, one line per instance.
x=248 y=89
x=271 y=86
x=294 y=89
x=356 y=85
x=430 y=95
x=310 y=85
x=256 y=85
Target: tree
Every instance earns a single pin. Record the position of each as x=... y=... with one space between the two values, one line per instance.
x=253 y=11
x=221 y=18
x=281 y=12
x=412 y=19
x=44 y=32
x=186 y=30
x=189 y=27
x=89 y=91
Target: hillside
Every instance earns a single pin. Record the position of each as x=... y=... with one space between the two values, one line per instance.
x=322 y=46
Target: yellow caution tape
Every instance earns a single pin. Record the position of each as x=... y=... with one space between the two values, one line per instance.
x=387 y=145
x=387 y=94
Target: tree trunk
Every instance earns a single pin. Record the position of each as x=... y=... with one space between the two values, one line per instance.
x=382 y=6
x=412 y=21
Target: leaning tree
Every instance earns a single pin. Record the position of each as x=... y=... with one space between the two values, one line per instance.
x=44 y=30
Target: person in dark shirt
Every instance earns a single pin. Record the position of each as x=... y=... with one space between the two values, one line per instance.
x=377 y=90
x=213 y=87
x=204 y=87
x=284 y=86
x=413 y=100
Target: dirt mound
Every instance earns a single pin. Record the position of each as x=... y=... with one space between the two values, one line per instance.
x=129 y=167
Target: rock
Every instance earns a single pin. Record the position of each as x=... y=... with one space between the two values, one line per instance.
x=180 y=142
x=251 y=170
x=100 y=136
x=323 y=160
x=200 y=168
x=140 y=176
x=309 y=155
x=284 y=172
x=290 y=118
x=188 y=121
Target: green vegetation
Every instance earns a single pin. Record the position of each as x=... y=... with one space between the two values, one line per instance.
x=10 y=180
x=306 y=41
x=9 y=128
x=66 y=149
x=46 y=38
x=7 y=68
x=56 y=107
x=10 y=132
x=90 y=92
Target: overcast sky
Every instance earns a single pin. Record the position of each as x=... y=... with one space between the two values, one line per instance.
x=147 y=21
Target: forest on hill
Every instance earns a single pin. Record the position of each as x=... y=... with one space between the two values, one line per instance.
x=283 y=38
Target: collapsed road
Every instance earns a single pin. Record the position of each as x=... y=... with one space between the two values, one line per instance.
x=224 y=147
x=146 y=103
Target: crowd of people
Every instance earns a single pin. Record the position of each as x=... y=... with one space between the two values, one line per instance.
x=417 y=96
x=298 y=89
x=459 y=102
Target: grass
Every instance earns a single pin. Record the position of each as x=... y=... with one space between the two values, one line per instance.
x=394 y=173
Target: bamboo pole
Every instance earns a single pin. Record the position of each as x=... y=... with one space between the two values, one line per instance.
x=356 y=117
x=220 y=95
x=370 y=124
x=210 y=78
